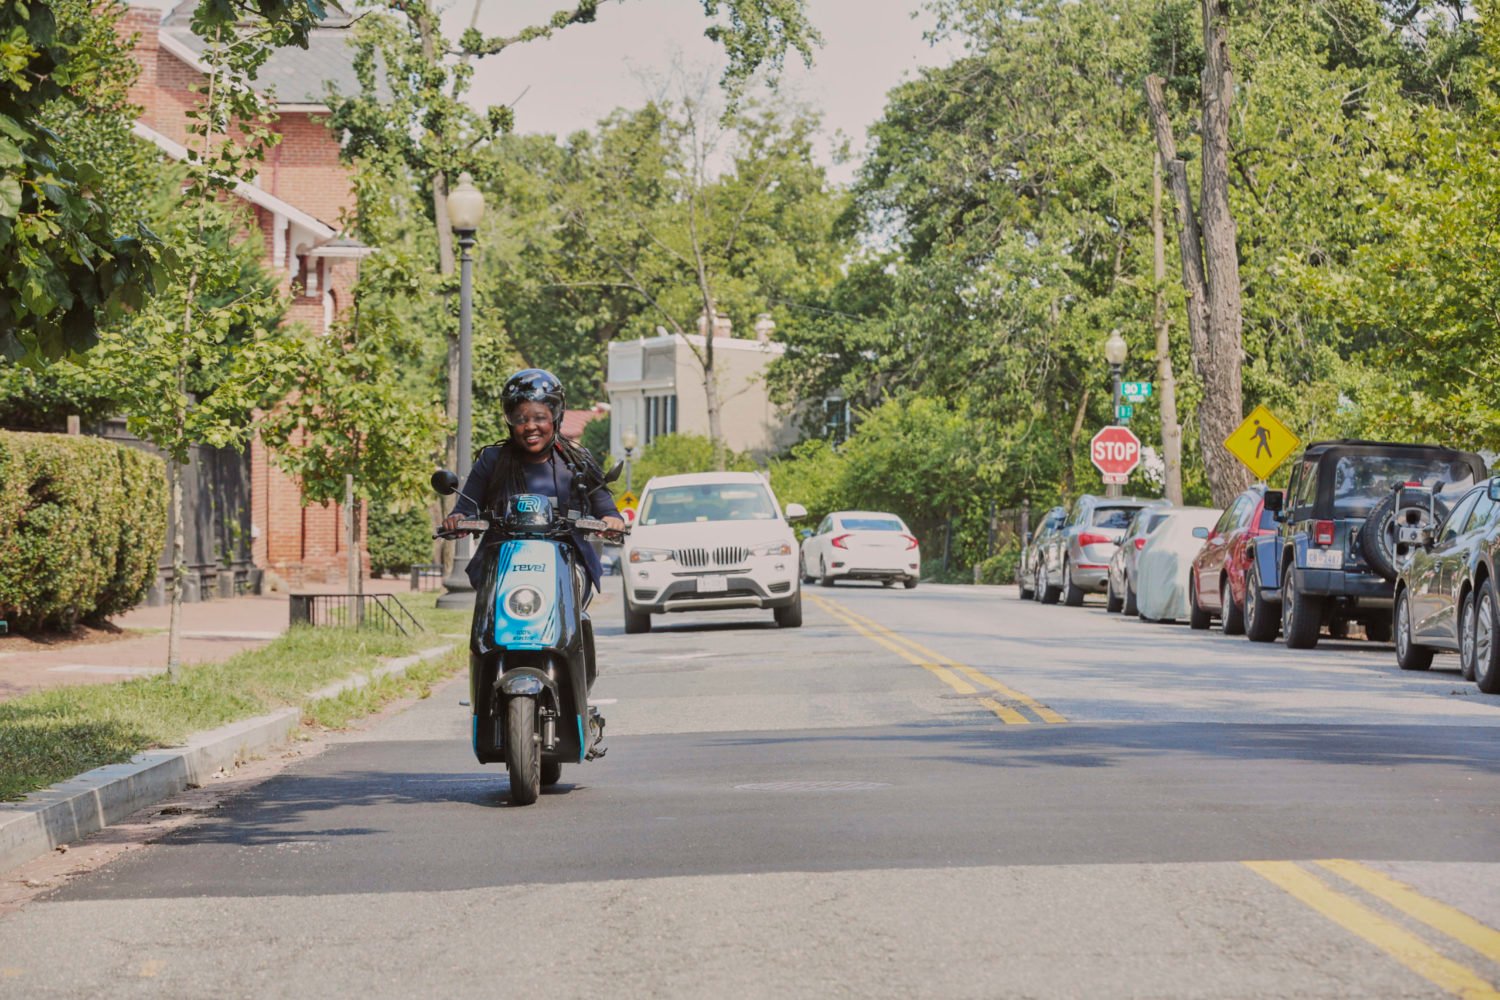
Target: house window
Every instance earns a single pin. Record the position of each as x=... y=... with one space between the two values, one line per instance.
x=836 y=420
x=661 y=416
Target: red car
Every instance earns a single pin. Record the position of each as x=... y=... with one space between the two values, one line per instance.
x=1216 y=584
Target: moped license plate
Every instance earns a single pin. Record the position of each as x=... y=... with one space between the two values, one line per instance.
x=712 y=584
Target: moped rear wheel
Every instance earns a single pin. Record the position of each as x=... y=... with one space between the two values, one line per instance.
x=523 y=751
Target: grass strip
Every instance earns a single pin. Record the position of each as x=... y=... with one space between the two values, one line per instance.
x=54 y=735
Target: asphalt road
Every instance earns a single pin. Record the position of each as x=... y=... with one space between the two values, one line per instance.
x=944 y=792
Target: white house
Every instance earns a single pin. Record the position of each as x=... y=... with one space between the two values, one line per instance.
x=655 y=387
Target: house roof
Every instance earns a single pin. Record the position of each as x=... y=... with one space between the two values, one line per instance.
x=574 y=421
x=298 y=77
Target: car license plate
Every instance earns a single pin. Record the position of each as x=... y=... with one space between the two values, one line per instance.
x=712 y=584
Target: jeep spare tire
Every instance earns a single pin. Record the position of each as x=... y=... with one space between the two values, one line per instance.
x=1377 y=539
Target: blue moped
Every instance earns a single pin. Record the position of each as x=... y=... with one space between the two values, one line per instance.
x=531 y=644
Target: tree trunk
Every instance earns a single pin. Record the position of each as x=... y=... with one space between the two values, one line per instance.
x=1171 y=430
x=179 y=574
x=1069 y=481
x=715 y=420
x=351 y=536
x=1222 y=409
x=1213 y=310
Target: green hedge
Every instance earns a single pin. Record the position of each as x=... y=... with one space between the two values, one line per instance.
x=81 y=528
x=397 y=542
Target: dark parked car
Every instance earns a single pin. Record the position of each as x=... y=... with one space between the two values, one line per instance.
x=1026 y=563
x=1075 y=561
x=1333 y=561
x=1122 y=565
x=1446 y=596
x=1216 y=586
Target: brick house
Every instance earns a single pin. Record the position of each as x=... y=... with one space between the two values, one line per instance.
x=297 y=205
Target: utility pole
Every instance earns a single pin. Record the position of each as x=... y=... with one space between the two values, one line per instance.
x=1171 y=430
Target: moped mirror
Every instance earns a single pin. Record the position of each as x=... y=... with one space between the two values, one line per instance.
x=1200 y=532
x=445 y=482
x=615 y=472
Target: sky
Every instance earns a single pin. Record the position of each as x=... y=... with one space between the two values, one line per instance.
x=570 y=81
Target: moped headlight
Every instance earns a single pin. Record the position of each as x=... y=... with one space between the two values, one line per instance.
x=650 y=555
x=772 y=549
x=524 y=602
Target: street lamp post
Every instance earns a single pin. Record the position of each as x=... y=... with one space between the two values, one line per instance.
x=628 y=441
x=465 y=210
x=1114 y=352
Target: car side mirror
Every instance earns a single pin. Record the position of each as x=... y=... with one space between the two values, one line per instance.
x=1494 y=490
x=615 y=472
x=795 y=511
x=1275 y=502
x=1200 y=532
x=445 y=482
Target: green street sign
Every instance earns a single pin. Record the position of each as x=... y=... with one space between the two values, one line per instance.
x=1124 y=411
x=1136 y=392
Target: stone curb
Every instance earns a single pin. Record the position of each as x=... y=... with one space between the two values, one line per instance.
x=88 y=803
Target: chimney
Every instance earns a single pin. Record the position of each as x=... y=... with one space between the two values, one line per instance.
x=764 y=327
x=722 y=325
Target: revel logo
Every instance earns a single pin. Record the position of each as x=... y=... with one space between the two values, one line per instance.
x=528 y=568
x=529 y=505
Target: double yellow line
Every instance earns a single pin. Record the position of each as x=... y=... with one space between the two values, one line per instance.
x=958 y=676
x=1405 y=946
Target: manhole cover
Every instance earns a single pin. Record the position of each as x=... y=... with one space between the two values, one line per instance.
x=813 y=786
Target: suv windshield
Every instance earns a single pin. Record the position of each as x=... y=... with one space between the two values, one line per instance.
x=707 y=502
x=1362 y=481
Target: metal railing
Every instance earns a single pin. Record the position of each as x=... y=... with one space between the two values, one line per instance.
x=427 y=576
x=382 y=612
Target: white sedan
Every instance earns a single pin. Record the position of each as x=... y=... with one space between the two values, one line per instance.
x=862 y=545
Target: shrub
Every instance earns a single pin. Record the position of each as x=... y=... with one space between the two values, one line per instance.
x=398 y=541
x=81 y=528
x=1001 y=567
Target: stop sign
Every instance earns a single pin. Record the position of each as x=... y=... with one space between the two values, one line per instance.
x=1115 y=452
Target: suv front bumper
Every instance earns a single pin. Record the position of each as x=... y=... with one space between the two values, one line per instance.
x=742 y=589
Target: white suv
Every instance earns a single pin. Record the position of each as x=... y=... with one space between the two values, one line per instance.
x=707 y=541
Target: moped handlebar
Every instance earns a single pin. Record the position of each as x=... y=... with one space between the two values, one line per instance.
x=479 y=525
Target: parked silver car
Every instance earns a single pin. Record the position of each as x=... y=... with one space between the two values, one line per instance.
x=1121 y=592
x=1075 y=561
x=1026 y=564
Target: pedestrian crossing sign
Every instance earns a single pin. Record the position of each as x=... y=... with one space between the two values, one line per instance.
x=1262 y=442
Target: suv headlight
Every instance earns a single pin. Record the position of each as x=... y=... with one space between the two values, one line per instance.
x=772 y=549
x=650 y=555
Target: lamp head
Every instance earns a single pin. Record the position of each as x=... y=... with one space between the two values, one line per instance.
x=628 y=440
x=465 y=205
x=1115 y=348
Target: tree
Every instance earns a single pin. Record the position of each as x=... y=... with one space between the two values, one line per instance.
x=700 y=245
x=188 y=327
x=415 y=117
x=351 y=431
x=76 y=251
x=1210 y=259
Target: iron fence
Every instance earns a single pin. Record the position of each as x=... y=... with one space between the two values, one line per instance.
x=427 y=577
x=382 y=612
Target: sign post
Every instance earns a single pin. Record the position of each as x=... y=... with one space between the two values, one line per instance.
x=1262 y=442
x=1115 y=452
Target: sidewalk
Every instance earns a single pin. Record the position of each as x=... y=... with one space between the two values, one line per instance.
x=211 y=631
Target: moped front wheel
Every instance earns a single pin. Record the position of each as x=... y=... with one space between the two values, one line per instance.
x=523 y=751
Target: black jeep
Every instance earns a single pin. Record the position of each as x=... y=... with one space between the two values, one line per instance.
x=1333 y=561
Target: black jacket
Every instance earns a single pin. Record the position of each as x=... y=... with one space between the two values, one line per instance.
x=498 y=475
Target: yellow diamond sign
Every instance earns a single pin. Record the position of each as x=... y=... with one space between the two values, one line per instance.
x=627 y=499
x=1262 y=442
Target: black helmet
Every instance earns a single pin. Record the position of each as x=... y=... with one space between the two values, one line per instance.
x=533 y=385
